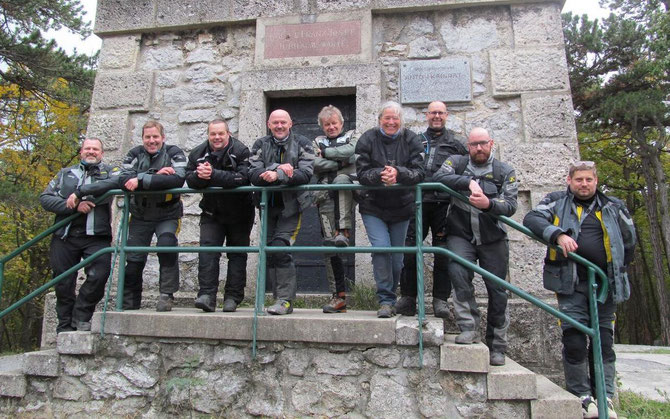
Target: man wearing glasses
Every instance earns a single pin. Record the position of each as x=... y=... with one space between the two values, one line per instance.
x=599 y=228
x=475 y=235
x=438 y=143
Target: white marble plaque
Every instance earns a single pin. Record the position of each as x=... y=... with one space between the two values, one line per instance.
x=447 y=80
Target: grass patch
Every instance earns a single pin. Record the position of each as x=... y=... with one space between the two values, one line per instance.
x=660 y=351
x=632 y=406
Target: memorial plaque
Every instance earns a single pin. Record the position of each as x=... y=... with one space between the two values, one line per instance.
x=313 y=39
x=424 y=81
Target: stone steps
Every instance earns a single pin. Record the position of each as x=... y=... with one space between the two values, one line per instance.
x=510 y=383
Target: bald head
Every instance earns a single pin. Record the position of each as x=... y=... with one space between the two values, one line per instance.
x=280 y=124
x=437 y=115
x=480 y=145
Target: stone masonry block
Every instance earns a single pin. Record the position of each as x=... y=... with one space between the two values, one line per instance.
x=407 y=331
x=119 y=52
x=554 y=402
x=12 y=384
x=117 y=15
x=547 y=173
x=110 y=127
x=122 y=90
x=42 y=363
x=548 y=117
x=246 y=9
x=514 y=71
x=77 y=343
x=511 y=382
x=178 y=13
x=463 y=358
x=537 y=24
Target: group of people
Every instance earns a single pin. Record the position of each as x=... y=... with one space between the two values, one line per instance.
x=580 y=219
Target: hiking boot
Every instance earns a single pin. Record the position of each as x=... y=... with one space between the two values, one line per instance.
x=341 y=240
x=406 y=306
x=440 y=308
x=206 y=303
x=496 y=358
x=467 y=338
x=165 y=302
x=589 y=407
x=81 y=326
x=281 y=307
x=386 y=311
x=337 y=304
x=229 y=305
x=329 y=241
x=610 y=409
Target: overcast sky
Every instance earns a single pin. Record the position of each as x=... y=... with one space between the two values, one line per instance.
x=69 y=41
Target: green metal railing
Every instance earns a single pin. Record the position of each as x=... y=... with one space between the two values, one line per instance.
x=262 y=249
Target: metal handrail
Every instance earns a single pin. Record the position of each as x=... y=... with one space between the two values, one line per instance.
x=263 y=249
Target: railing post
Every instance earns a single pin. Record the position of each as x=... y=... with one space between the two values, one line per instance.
x=122 y=254
x=596 y=347
x=2 y=277
x=259 y=305
x=418 y=244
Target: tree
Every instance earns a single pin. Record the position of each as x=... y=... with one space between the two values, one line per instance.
x=619 y=74
x=33 y=63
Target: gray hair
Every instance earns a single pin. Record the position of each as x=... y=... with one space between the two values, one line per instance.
x=327 y=112
x=396 y=108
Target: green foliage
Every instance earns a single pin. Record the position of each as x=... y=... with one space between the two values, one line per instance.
x=634 y=406
x=33 y=63
x=362 y=297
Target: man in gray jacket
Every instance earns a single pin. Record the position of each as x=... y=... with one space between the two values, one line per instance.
x=597 y=227
x=282 y=158
x=73 y=190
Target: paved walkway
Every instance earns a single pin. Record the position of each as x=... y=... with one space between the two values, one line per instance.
x=644 y=370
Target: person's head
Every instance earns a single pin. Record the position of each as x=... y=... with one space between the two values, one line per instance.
x=583 y=179
x=153 y=136
x=280 y=124
x=390 y=118
x=91 y=151
x=331 y=121
x=218 y=134
x=437 y=115
x=480 y=145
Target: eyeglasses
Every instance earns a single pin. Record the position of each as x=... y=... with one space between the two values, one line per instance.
x=476 y=144
x=436 y=113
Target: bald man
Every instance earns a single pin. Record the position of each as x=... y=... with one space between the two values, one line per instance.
x=475 y=235
x=282 y=158
x=438 y=143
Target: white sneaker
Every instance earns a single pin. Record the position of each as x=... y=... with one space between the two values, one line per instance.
x=589 y=407
x=610 y=409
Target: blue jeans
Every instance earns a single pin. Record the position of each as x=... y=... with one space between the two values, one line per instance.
x=386 y=267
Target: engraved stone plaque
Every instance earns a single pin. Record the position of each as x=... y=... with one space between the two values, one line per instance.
x=313 y=39
x=424 y=81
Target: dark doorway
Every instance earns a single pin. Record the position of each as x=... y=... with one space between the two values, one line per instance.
x=310 y=268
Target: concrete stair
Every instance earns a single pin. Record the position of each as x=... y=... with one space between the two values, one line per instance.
x=511 y=382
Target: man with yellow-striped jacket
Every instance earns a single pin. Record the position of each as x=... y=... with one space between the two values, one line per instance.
x=599 y=228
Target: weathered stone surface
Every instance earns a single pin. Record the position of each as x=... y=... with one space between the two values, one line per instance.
x=537 y=24
x=170 y=13
x=70 y=388
x=122 y=90
x=424 y=48
x=333 y=364
x=12 y=384
x=162 y=57
x=463 y=358
x=390 y=398
x=297 y=361
x=229 y=355
x=110 y=127
x=129 y=406
x=114 y=14
x=475 y=30
x=548 y=117
x=119 y=52
x=511 y=382
x=105 y=382
x=79 y=343
x=339 y=5
x=545 y=175
x=553 y=402
x=74 y=366
x=206 y=391
x=329 y=398
x=193 y=96
x=266 y=398
x=434 y=402
x=256 y=8
x=44 y=363
x=139 y=375
x=407 y=331
x=431 y=359
x=514 y=71
x=202 y=73
x=383 y=357
x=184 y=355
